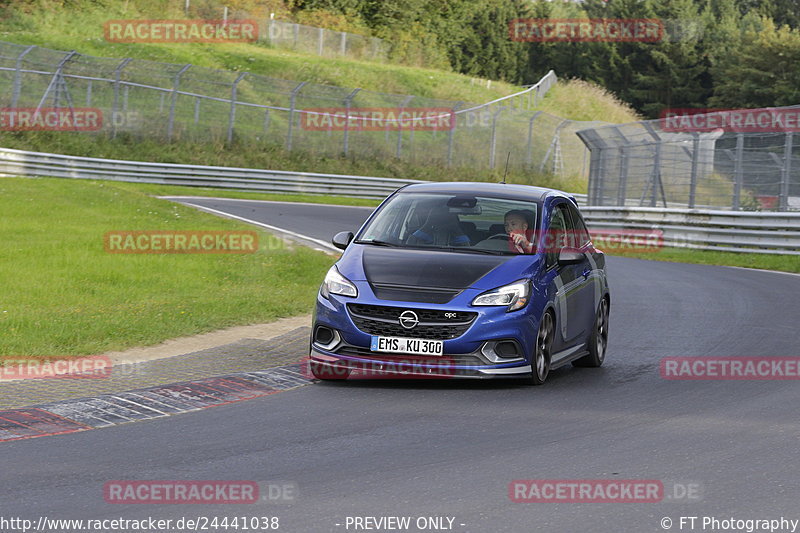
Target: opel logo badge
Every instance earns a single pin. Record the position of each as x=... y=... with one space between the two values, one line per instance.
x=409 y=319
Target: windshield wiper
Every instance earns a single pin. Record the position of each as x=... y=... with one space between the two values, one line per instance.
x=377 y=242
x=476 y=250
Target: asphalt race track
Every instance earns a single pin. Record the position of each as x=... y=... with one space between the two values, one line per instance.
x=451 y=449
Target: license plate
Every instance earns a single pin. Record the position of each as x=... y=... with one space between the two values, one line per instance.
x=401 y=345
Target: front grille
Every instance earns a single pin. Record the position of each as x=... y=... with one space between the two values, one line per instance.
x=433 y=324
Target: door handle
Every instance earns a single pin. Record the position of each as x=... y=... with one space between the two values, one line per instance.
x=586 y=273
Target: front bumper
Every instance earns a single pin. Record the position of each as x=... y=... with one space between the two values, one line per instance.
x=401 y=365
x=469 y=355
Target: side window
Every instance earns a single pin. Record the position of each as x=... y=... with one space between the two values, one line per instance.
x=579 y=234
x=556 y=233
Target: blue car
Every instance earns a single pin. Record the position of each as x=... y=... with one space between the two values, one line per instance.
x=466 y=280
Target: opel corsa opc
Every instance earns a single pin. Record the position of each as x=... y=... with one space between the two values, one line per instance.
x=466 y=280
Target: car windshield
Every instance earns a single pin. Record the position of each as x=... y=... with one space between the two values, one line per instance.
x=461 y=223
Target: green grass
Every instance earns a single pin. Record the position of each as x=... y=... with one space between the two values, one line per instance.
x=175 y=190
x=78 y=25
x=783 y=263
x=579 y=100
x=64 y=295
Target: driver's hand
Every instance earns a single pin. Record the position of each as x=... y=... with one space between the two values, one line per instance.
x=520 y=240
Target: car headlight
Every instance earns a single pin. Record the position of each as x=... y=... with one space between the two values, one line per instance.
x=514 y=295
x=335 y=283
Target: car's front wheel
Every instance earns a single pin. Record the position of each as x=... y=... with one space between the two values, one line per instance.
x=541 y=356
x=598 y=341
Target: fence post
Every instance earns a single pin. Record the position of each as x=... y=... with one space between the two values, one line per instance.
x=595 y=193
x=56 y=81
x=656 y=176
x=115 y=105
x=292 y=102
x=529 y=155
x=399 y=149
x=594 y=143
x=321 y=33
x=695 y=156
x=554 y=147
x=624 y=165
x=583 y=165
x=347 y=102
x=175 y=83
x=89 y=94
x=622 y=186
x=271 y=31
x=18 y=76
x=738 y=172
x=344 y=43
x=451 y=133
x=196 y=110
x=786 y=173
x=232 y=114
x=295 y=34
x=493 y=143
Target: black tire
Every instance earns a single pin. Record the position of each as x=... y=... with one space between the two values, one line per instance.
x=540 y=364
x=598 y=340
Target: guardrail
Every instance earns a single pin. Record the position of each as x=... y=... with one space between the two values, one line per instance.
x=39 y=164
x=724 y=231
x=764 y=232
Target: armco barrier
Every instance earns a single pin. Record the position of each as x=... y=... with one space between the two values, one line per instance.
x=22 y=163
x=765 y=232
x=728 y=231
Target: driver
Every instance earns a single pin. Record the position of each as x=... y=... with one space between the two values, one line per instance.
x=520 y=236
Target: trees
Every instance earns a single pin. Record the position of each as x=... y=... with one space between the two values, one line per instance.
x=671 y=73
x=763 y=72
x=730 y=53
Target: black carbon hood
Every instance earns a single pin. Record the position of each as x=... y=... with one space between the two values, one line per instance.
x=397 y=274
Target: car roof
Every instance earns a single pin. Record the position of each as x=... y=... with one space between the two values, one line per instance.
x=498 y=190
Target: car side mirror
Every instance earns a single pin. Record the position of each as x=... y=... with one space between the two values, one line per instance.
x=570 y=256
x=342 y=239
